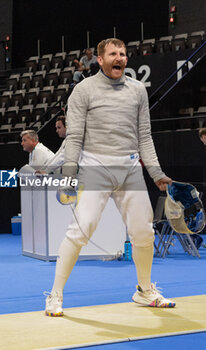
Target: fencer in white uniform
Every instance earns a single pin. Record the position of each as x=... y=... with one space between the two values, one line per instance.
x=109 y=123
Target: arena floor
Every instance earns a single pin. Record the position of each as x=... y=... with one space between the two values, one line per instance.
x=97 y=302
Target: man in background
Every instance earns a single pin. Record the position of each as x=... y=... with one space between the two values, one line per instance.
x=54 y=163
x=39 y=154
x=85 y=67
x=202 y=135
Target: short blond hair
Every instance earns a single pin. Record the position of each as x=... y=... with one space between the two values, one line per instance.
x=103 y=43
x=31 y=134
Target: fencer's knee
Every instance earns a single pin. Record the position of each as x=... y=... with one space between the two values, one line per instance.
x=80 y=233
x=142 y=239
x=68 y=241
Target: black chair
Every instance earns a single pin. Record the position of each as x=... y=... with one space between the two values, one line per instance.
x=132 y=48
x=54 y=109
x=60 y=92
x=46 y=95
x=163 y=44
x=11 y=115
x=2 y=114
x=58 y=60
x=179 y=42
x=12 y=83
x=52 y=77
x=5 y=99
x=147 y=47
x=66 y=76
x=45 y=62
x=195 y=39
x=19 y=127
x=38 y=79
x=5 y=128
x=71 y=56
x=18 y=98
x=32 y=96
x=39 y=110
x=25 y=81
x=26 y=114
x=32 y=64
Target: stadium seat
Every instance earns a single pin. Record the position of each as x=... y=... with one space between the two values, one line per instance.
x=11 y=115
x=31 y=96
x=132 y=48
x=39 y=110
x=163 y=44
x=35 y=126
x=58 y=60
x=71 y=56
x=66 y=75
x=2 y=114
x=25 y=81
x=18 y=98
x=45 y=62
x=5 y=128
x=147 y=47
x=179 y=42
x=5 y=99
x=25 y=114
x=45 y=95
x=19 y=127
x=195 y=39
x=32 y=64
x=52 y=77
x=38 y=79
x=60 y=92
x=54 y=108
x=13 y=82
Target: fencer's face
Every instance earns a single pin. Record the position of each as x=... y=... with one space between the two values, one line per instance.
x=113 y=61
x=27 y=143
x=60 y=129
x=203 y=139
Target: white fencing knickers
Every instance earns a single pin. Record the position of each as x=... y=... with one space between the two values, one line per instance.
x=122 y=179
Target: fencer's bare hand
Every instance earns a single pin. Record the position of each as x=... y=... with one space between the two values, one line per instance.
x=162 y=183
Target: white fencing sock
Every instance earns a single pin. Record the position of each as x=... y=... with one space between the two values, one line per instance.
x=67 y=257
x=143 y=257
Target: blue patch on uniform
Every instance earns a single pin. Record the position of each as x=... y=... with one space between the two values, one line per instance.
x=134 y=156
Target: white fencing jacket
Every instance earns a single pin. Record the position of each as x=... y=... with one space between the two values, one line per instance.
x=110 y=117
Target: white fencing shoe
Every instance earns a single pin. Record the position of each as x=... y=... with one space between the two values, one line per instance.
x=151 y=297
x=53 y=305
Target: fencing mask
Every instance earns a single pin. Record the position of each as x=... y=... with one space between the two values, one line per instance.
x=184 y=209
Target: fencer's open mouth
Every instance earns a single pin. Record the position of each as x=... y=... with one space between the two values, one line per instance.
x=116 y=67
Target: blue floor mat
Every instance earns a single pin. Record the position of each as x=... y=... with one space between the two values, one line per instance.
x=24 y=279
